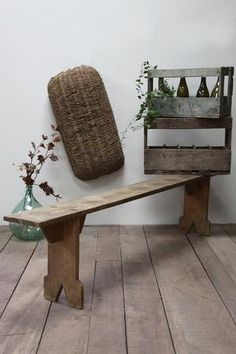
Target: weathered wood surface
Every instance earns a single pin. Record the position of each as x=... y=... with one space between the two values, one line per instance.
x=230 y=229
x=191 y=72
x=187 y=159
x=63 y=265
x=146 y=324
x=67 y=330
x=23 y=320
x=198 y=107
x=133 y=244
x=13 y=261
x=196 y=200
x=5 y=235
x=225 y=249
x=198 y=319
x=107 y=326
x=66 y=210
x=191 y=123
x=220 y=277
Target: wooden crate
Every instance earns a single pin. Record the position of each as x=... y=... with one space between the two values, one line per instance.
x=199 y=107
x=200 y=160
x=207 y=160
x=191 y=113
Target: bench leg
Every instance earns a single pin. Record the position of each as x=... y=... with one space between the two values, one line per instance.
x=63 y=262
x=196 y=200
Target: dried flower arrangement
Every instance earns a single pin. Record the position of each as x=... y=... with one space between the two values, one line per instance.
x=38 y=155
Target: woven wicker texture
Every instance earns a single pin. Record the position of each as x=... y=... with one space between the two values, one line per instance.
x=86 y=122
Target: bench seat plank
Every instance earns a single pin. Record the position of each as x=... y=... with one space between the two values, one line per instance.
x=63 y=211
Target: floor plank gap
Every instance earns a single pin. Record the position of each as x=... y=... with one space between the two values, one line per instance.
x=210 y=278
x=123 y=292
x=159 y=290
x=18 y=280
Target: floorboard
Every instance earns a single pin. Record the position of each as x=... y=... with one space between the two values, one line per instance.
x=198 y=319
x=107 y=329
x=5 y=236
x=148 y=290
x=23 y=320
x=13 y=260
x=67 y=327
x=225 y=249
x=230 y=229
x=146 y=323
x=220 y=277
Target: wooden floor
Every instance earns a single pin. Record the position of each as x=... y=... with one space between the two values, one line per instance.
x=148 y=290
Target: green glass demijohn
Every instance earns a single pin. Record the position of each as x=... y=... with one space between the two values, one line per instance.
x=26 y=232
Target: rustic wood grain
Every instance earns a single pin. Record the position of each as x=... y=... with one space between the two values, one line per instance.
x=108 y=243
x=67 y=330
x=5 y=236
x=63 y=265
x=107 y=328
x=196 y=200
x=146 y=323
x=199 y=321
x=230 y=229
x=23 y=320
x=13 y=260
x=69 y=209
x=191 y=123
x=133 y=244
x=191 y=72
x=220 y=277
x=225 y=249
x=198 y=107
x=187 y=159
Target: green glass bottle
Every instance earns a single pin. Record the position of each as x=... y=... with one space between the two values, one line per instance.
x=216 y=90
x=26 y=232
x=182 y=90
x=202 y=90
x=161 y=83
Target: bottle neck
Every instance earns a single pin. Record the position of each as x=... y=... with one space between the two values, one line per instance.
x=29 y=190
x=203 y=80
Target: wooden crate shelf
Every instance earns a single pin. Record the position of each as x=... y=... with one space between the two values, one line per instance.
x=191 y=123
x=191 y=113
x=204 y=160
x=199 y=107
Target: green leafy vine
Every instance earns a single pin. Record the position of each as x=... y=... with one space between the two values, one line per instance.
x=147 y=109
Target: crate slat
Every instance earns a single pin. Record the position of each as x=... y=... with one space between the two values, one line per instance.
x=191 y=123
x=188 y=72
x=200 y=159
x=199 y=107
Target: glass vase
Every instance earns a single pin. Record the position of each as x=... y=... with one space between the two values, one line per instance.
x=26 y=232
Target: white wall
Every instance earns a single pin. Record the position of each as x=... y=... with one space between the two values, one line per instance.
x=39 y=39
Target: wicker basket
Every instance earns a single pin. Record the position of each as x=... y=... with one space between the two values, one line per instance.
x=86 y=122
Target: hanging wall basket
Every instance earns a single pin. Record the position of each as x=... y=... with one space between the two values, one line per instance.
x=86 y=122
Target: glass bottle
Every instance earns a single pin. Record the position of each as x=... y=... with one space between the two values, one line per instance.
x=216 y=90
x=26 y=232
x=182 y=90
x=202 y=90
x=161 y=83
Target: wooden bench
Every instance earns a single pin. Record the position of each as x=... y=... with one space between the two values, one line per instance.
x=63 y=222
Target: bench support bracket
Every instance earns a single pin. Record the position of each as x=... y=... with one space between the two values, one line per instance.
x=63 y=261
x=196 y=201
